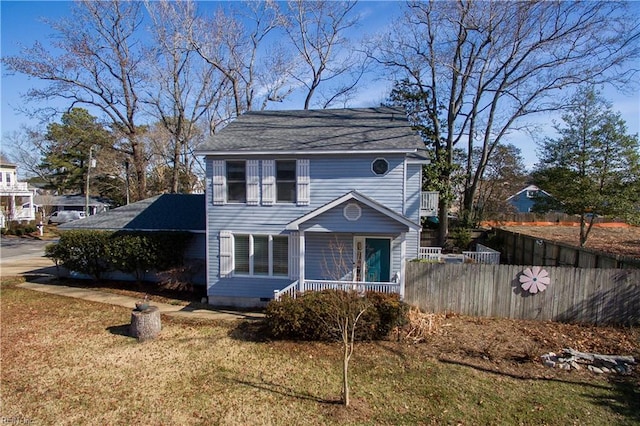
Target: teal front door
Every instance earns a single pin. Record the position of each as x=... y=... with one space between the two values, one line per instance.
x=377 y=259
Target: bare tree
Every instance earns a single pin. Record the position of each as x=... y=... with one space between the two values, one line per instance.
x=317 y=31
x=505 y=174
x=230 y=43
x=101 y=66
x=485 y=66
x=26 y=144
x=343 y=308
x=187 y=88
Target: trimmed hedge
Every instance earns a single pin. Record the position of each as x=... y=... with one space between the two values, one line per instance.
x=308 y=317
x=96 y=252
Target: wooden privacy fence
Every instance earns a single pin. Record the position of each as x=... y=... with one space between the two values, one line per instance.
x=576 y=295
x=524 y=249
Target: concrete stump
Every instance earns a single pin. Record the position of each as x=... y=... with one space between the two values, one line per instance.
x=145 y=324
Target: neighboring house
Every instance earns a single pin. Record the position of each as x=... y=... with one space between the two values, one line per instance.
x=166 y=212
x=297 y=200
x=16 y=199
x=525 y=199
x=52 y=203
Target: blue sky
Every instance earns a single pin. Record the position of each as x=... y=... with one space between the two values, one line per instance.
x=21 y=25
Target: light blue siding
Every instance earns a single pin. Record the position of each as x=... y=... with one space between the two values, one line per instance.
x=321 y=249
x=330 y=178
x=371 y=221
x=414 y=180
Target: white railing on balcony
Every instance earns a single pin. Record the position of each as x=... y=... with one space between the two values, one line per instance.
x=13 y=186
x=320 y=285
x=483 y=254
x=289 y=290
x=429 y=203
x=430 y=253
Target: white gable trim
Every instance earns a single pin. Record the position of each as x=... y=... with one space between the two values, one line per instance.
x=529 y=188
x=353 y=195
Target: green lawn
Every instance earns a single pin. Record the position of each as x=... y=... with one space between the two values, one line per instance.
x=67 y=361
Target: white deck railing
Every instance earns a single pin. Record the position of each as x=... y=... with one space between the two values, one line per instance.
x=430 y=253
x=320 y=285
x=429 y=203
x=483 y=254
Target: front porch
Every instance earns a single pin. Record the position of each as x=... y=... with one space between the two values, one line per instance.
x=319 y=285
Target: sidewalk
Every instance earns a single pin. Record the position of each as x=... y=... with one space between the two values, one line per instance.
x=41 y=284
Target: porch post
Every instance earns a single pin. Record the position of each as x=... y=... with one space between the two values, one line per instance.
x=301 y=263
x=12 y=207
x=403 y=256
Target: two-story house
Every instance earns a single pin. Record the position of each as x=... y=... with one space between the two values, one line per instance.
x=16 y=199
x=306 y=200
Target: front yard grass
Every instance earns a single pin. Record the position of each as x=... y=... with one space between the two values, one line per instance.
x=68 y=361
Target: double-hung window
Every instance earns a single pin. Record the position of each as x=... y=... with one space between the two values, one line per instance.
x=260 y=182
x=236 y=181
x=264 y=255
x=286 y=181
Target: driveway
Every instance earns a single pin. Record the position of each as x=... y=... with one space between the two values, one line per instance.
x=21 y=256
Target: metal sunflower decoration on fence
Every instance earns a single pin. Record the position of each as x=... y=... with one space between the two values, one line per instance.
x=534 y=279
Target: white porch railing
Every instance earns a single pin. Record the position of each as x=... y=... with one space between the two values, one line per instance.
x=483 y=254
x=320 y=285
x=429 y=203
x=430 y=253
x=289 y=290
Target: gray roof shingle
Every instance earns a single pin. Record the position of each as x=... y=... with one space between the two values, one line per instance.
x=354 y=129
x=166 y=212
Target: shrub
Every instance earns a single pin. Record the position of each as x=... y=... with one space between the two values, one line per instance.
x=311 y=315
x=18 y=228
x=461 y=237
x=96 y=252
x=82 y=251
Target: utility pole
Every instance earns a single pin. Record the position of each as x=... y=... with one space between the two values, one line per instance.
x=86 y=189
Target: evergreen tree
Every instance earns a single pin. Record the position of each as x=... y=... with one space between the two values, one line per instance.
x=65 y=161
x=593 y=167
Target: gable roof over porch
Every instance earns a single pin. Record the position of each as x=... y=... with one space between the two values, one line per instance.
x=387 y=213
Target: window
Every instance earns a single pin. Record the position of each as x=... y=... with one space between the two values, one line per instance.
x=264 y=255
x=380 y=166
x=286 y=181
x=236 y=182
x=241 y=253
x=280 y=255
x=261 y=255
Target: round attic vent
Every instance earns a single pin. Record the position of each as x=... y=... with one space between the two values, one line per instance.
x=352 y=212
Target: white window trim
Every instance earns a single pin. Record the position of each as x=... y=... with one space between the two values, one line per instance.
x=275 y=181
x=251 y=273
x=380 y=174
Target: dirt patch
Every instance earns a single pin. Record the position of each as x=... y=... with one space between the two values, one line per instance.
x=515 y=346
x=621 y=241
